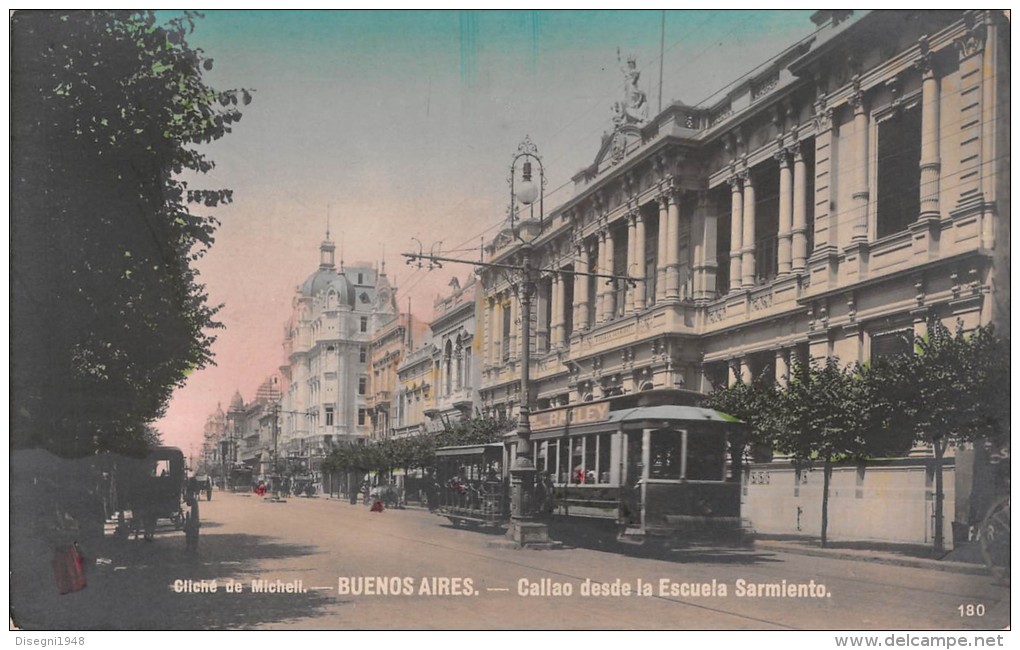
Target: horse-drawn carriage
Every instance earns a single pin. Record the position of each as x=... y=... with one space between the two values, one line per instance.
x=153 y=489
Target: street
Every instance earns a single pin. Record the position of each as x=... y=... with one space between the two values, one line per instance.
x=409 y=569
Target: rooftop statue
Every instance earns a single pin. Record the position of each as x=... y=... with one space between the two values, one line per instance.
x=633 y=109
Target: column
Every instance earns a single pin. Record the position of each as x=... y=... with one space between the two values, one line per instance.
x=785 y=212
x=600 y=283
x=556 y=336
x=672 y=243
x=930 y=159
x=733 y=376
x=736 y=231
x=747 y=245
x=609 y=308
x=581 y=288
x=782 y=367
x=630 y=296
x=859 y=232
x=799 y=243
x=705 y=246
x=746 y=375
x=496 y=350
x=640 y=270
x=514 y=318
x=662 y=255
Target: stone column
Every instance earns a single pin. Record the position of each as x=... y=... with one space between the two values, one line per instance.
x=600 y=285
x=785 y=212
x=782 y=367
x=629 y=295
x=747 y=243
x=736 y=231
x=610 y=306
x=930 y=158
x=733 y=376
x=673 y=244
x=705 y=246
x=663 y=253
x=581 y=287
x=746 y=374
x=859 y=232
x=800 y=198
x=497 y=330
x=556 y=336
x=640 y=271
x=514 y=318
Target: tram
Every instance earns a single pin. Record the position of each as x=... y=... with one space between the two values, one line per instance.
x=656 y=463
x=472 y=486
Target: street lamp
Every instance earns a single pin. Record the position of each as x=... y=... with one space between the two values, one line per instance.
x=523 y=530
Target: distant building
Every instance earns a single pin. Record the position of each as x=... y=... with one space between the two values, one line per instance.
x=389 y=346
x=326 y=343
x=455 y=356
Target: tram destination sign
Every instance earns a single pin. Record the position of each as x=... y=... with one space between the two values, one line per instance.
x=582 y=414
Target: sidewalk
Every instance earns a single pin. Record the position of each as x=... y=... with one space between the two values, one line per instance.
x=964 y=559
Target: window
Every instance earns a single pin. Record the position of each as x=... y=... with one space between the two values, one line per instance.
x=705 y=456
x=363 y=354
x=361 y=416
x=362 y=385
x=361 y=278
x=364 y=323
x=889 y=345
x=329 y=416
x=666 y=455
x=899 y=175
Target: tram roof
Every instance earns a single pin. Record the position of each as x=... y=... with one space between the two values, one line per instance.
x=459 y=450
x=671 y=412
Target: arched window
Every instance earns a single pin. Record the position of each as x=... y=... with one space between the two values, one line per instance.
x=459 y=366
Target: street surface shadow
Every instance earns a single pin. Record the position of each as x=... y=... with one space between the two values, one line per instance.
x=602 y=536
x=131 y=587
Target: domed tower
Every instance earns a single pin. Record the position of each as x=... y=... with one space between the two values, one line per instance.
x=335 y=313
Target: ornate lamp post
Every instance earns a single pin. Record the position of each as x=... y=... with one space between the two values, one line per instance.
x=523 y=529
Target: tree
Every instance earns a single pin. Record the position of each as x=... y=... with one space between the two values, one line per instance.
x=108 y=314
x=954 y=389
x=755 y=404
x=833 y=414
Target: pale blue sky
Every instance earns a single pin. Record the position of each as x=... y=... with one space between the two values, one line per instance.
x=404 y=123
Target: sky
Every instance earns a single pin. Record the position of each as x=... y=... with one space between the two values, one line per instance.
x=403 y=124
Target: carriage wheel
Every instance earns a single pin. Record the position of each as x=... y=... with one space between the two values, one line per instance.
x=995 y=534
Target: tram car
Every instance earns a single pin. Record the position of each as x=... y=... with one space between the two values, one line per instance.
x=472 y=485
x=656 y=463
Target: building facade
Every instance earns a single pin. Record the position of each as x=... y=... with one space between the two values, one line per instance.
x=390 y=345
x=326 y=343
x=824 y=206
x=454 y=354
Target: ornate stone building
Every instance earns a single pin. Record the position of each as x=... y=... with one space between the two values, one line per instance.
x=455 y=353
x=823 y=206
x=326 y=343
x=389 y=347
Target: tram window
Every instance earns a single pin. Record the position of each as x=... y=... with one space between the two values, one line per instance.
x=705 y=456
x=665 y=454
x=603 y=468
x=563 y=461
x=542 y=457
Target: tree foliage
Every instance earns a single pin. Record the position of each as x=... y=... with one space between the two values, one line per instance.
x=954 y=389
x=754 y=404
x=414 y=452
x=108 y=314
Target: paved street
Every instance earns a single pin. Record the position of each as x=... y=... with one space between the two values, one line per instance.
x=320 y=541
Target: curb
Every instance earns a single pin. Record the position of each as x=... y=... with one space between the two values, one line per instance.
x=876 y=557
